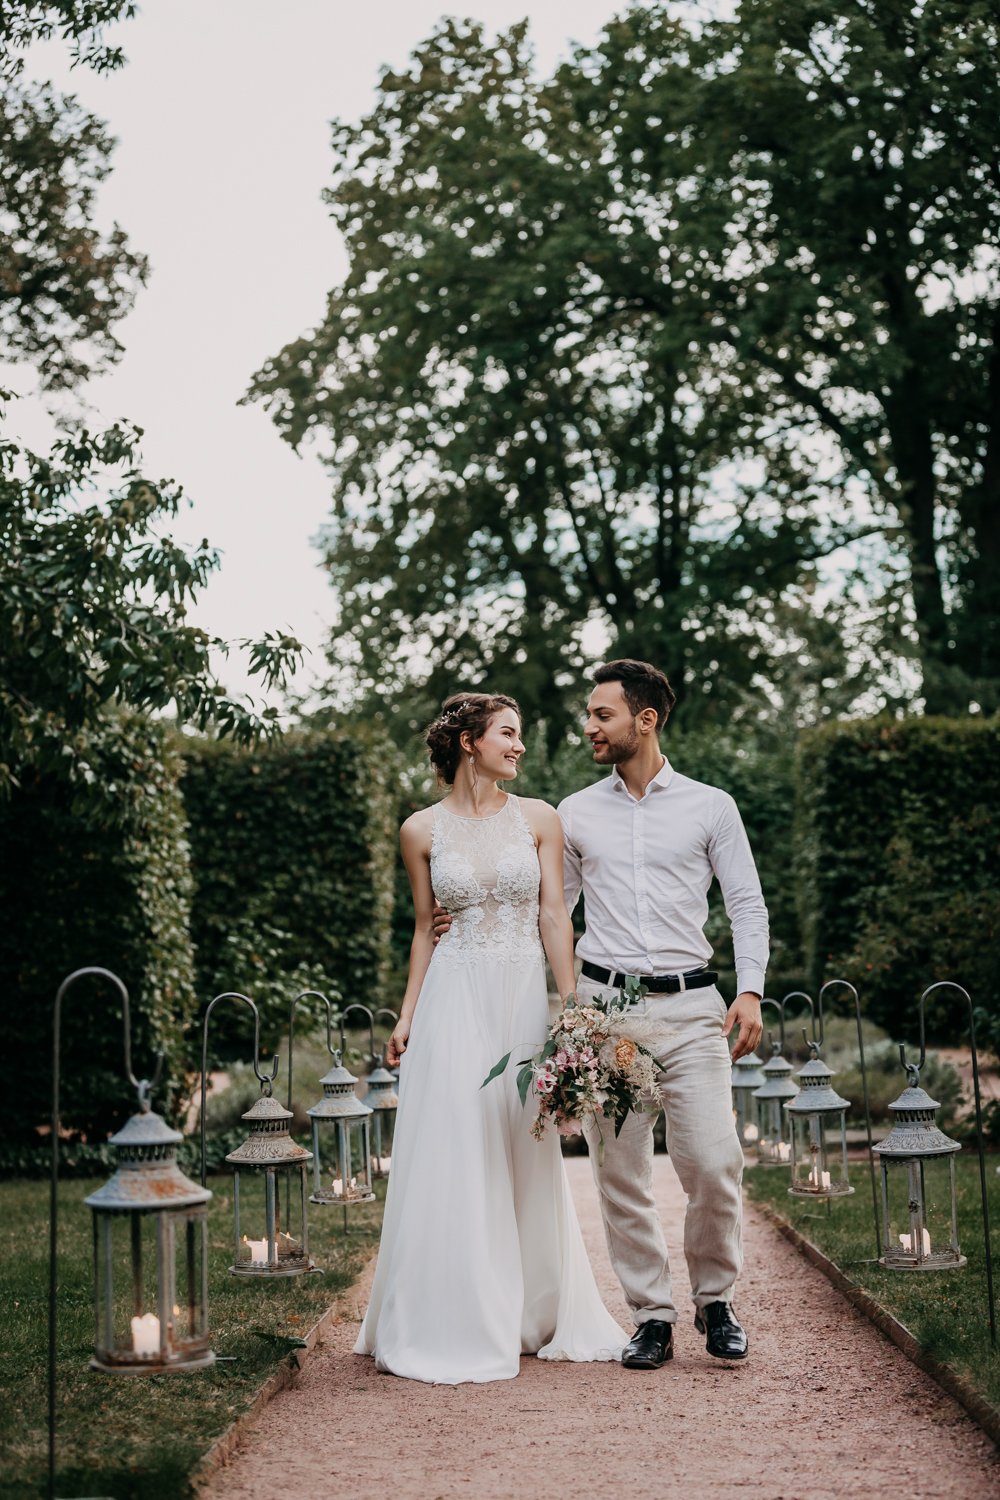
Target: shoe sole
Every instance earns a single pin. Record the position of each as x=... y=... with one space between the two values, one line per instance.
x=645 y=1364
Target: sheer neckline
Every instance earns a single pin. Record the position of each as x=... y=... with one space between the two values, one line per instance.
x=463 y=818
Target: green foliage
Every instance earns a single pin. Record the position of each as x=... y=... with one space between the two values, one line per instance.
x=845 y=158
x=80 y=23
x=93 y=612
x=529 y=414
x=946 y=1311
x=63 y=285
x=897 y=845
x=118 y=896
x=573 y=303
x=292 y=851
x=141 y=1439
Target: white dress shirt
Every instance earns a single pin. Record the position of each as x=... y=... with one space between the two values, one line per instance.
x=645 y=868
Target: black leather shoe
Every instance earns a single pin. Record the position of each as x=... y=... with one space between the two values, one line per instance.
x=723 y=1335
x=652 y=1345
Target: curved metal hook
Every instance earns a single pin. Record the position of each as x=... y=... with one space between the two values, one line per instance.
x=781 y=1018
x=371 y=1025
x=864 y=1084
x=145 y=1088
x=143 y=1085
x=949 y=984
x=291 y=1031
x=261 y=1077
x=801 y=995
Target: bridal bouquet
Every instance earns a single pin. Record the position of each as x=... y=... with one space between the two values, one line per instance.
x=594 y=1062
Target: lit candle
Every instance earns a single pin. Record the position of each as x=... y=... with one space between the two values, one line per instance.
x=257 y=1248
x=146 y=1334
x=904 y=1240
x=784 y=1150
x=750 y=1133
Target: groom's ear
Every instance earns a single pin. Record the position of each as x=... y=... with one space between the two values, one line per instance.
x=647 y=721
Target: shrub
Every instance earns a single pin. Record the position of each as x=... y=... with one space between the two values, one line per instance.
x=76 y=893
x=898 y=834
x=292 y=851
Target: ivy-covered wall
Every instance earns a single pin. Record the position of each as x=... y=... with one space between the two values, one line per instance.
x=898 y=859
x=74 y=894
x=292 y=854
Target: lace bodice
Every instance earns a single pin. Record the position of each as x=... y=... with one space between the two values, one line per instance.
x=485 y=871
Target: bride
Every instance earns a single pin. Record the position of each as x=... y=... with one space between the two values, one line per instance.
x=481 y=1258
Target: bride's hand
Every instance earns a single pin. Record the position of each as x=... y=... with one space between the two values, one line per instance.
x=397 y=1044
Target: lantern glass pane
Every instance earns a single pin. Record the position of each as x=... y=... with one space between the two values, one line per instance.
x=818 y=1149
x=270 y=1203
x=344 y=1153
x=774 y=1145
x=383 y=1129
x=918 y=1208
x=146 y=1317
x=745 y=1111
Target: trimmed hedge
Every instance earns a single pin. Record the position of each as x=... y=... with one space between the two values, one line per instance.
x=898 y=858
x=292 y=853
x=75 y=894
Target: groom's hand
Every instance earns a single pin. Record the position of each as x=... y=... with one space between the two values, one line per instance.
x=744 y=1013
x=440 y=921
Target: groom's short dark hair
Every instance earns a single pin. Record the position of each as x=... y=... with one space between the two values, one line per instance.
x=643 y=686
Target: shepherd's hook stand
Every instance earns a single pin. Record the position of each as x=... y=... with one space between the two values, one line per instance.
x=54 y=1190
x=949 y=984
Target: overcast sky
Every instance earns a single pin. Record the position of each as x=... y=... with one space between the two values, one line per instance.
x=222 y=117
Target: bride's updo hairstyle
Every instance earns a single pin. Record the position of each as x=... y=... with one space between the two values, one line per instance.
x=464 y=713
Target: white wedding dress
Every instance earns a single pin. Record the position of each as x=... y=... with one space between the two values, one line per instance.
x=481 y=1258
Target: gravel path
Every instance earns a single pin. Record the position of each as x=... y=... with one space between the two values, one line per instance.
x=824 y=1408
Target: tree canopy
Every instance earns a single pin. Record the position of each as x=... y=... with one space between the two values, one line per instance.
x=625 y=345
x=93 y=614
x=63 y=284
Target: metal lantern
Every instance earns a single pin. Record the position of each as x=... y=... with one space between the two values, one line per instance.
x=819 y=1133
x=746 y=1079
x=383 y=1100
x=149 y=1218
x=268 y=1150
x=351 y=1176
x=919 y=1207
x=153 y=1220
x=774 y=1144
x=341 y=1108
x=383 y=1097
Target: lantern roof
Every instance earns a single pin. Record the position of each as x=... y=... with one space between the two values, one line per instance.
x=778 y=1080
x=339 y=1101
x=382 y=1089
x=269 y=1143
x=746 y=1072
x=915 y=1131
x=817 y=1096
x=147 y=1178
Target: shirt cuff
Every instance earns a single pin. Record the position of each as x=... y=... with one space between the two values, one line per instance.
x=749 y=978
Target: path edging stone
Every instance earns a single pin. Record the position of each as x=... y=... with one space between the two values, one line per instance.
x=226 y=1445
x=956 y=1386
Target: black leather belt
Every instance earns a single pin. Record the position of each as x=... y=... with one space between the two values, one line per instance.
x=656 y=984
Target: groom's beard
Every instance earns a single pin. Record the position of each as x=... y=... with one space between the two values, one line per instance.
x=615 y=751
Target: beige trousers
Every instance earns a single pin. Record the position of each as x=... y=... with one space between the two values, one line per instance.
x=705 y=1151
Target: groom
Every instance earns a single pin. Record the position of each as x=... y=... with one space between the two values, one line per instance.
x=643 y=845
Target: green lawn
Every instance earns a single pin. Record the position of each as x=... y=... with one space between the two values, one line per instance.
x=946 y=1311
x=132 y=1438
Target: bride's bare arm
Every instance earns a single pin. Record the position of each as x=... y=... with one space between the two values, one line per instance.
x=415 y=845
x=554 y=922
